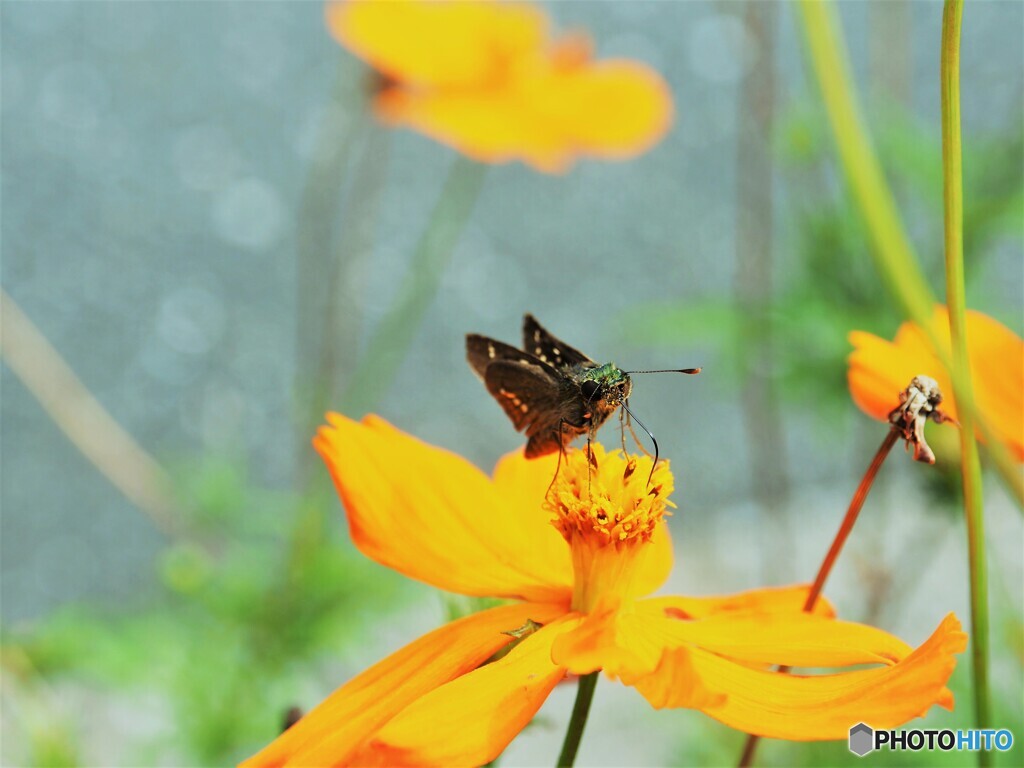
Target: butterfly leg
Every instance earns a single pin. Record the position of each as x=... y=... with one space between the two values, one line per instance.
x=561 y=452
x=590 y=463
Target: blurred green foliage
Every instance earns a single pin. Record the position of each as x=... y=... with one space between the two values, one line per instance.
x=262 y=590
x=827 y=285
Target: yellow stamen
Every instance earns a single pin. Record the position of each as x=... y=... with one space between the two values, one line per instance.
x=605 y=509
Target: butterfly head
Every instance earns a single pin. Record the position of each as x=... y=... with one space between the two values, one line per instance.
x=605 y=386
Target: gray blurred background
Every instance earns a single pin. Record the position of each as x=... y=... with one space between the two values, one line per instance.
x=155 y=162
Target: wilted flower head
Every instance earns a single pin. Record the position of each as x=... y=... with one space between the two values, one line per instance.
x=879 y=370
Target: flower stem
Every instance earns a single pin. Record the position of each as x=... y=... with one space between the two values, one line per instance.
x=759 y=404
x=893 y=253
x=315 y=339
x=970 y=465
x=852 y=512
x=580 y=710
x=84 y=421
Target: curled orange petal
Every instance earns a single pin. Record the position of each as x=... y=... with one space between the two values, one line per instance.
x=782 y=600
x=630 y=643
x=796 y=640
x=807 y=708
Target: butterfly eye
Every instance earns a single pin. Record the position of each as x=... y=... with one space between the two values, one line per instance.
x=589 y=389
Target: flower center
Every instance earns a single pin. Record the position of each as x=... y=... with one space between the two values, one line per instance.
x=607 y=512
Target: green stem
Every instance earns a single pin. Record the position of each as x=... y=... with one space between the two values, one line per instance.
x=339 y=319
x=396 y=331
x=580 y=710
x=962 y=386
x=893 y=252
x=315 y=257
x=760 y=406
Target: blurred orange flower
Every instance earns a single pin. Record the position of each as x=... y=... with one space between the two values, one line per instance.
x=880 y=369
x=578 y=565
x=487 y=79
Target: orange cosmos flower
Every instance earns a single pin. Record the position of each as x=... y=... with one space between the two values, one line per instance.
x=579 y=565
x=880 y=369
x=487 y=79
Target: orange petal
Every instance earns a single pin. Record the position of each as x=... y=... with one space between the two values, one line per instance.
x=522 y=484
x=488 y=125
x=545 y=114
x=880 y=369
x=434 y=516
x=613 y=109
x=354 y=712
x=806 y=708
x=598 y=642
x=653 y=570
x=438 y=44
x=796 y=640
x=772 y=600
x=997 y=371
x=630 y=643
x=471 y=720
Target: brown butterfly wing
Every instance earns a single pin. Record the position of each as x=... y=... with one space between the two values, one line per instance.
x=546 y=347
x=481 y=351
x=530 y=396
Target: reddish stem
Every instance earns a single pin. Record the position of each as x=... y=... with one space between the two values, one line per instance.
x=747 y=758
x=851 y=517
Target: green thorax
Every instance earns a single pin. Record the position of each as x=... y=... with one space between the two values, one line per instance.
x=614 y=384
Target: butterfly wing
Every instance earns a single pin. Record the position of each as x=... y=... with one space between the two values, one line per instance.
x=481 y=351
x=529 y=395
x=551 y=350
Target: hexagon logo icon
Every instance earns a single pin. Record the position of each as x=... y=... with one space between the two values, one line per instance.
x=862 y=739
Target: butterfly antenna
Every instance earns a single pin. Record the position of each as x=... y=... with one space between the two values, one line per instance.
x=690 y=371
x=649 y=434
